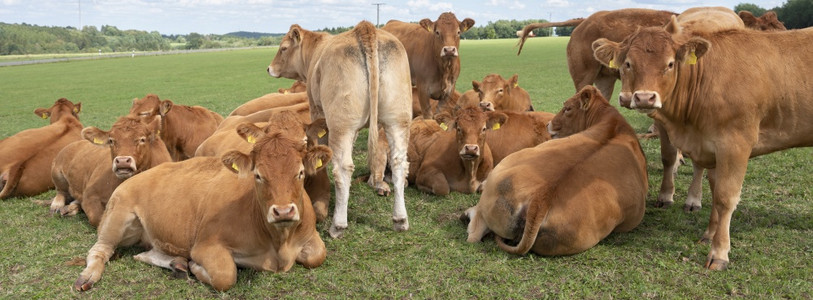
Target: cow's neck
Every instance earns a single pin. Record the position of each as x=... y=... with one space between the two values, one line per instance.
x=311 y=42
x=684 y=103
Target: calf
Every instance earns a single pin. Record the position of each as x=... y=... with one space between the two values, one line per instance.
x=352 y=87
x=538 y=197
x=717 y=110
x=183 y=128
x=238 y=210
x=297 y=87
x=82 y=171
x=767 y=22
x=26 y=157
x=458 y=159
x=504 y=95
x=521 y=130
x=269 y=101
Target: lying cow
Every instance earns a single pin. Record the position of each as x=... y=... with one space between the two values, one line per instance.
x=26 y=157
x=317 y=185
x=84 y=175
x=767 y=22
x=564 y=196
x=458 y=159
x=521 y=130
x=351 y=87
x=269 y=101
x=239 y=210
x=434 y=61
x=183 y=127
x=504 y=95
x=716 y=110
x=297 y=87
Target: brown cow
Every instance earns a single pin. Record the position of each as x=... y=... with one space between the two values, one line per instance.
x=451 y=103
x=259 y=218
x=183 y=127
x=269 y=101
x=504 y=95
x=767 y=22
x=302 y=110
x=565 y=195
x=458 y=159
x=26 y=157
x=521 y=130
x=317 y=185
x=82 y=171
x=351 y=87
x=717 y=111
x=297 y=87
x=434 y=61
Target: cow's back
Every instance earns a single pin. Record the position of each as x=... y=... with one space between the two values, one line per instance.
x=187 y=127
x=76 y=164
x=269 y=101
x=521 y=130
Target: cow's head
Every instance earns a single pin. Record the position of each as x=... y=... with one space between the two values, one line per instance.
x=279 y=161
x=447 y=30
x=150 y=106
x=767 y=22
x=575 y=115
x=648 y=61
x=470 y=125
x=297 y=87
x=131 y=142
x=290 y=61
x=62 y=107
x=495 y=90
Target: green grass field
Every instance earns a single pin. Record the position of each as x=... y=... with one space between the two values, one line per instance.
x=771 y=231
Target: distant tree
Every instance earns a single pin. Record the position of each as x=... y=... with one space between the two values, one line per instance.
x=796 y=14
x=753 y=8
x=564 y=31
x=194 y=41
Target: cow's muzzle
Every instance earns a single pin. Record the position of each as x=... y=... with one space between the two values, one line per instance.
x=283 y=215
x=124 y=167
x=645 y=100
x=553 y=132
x=470 y=152
x=450 y=51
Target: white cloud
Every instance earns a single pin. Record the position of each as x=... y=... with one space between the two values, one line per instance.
x=423 y=5
x=558 y=3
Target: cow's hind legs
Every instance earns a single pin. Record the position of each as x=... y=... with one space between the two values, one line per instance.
x=214 y=265
x=398 y=138
x=342 y=145
x=178 y=265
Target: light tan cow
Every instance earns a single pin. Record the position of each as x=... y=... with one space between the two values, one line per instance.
x=238 y=210
x=269 y=101
x=297 y=87
x=718 y=107
x=351 y=86
x=183 y=127
x=565 y=195
x=26 y=157
x=82 y=171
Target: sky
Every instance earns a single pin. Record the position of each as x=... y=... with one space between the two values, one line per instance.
x=276 y=16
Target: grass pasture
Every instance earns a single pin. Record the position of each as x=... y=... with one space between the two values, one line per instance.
x=771 y=231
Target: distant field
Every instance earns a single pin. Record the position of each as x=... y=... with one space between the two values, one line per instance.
x=771 y=231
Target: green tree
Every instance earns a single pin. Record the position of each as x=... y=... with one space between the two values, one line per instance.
x=753 y=8
x=796 y=14
x=194 y=40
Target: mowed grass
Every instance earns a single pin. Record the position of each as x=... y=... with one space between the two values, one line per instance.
x=772 y=244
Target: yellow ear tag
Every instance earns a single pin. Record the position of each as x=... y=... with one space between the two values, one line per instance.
x=318 y=163
x=97 y=141
x=692 y=58
x=75 y=110
x=516 y=84
x=465 y=28
x=428 y=29
x=285 y=93
x=251 y=139
x=495 y=126
x=44 y=116
x=321 y=133
x=612 y=64
x=443 y=126
x=234 y=166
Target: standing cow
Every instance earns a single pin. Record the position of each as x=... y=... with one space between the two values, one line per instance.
x=434 y=61
x=565 y=195
x=26 y=157
x=355 y=78
x=719 y=109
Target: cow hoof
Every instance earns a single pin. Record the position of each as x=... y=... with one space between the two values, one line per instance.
x=464 y=217
x=179 y=267
x=82 y=284
x=400 y=225
x=69 y=210
x=663 y=204
x=704 y=240
x=336 y=232
x=383 y=191
x=691 y=208
x=716 y=264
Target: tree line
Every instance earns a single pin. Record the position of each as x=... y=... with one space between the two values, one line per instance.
x=795 y=14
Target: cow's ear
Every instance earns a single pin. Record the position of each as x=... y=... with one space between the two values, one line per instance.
x=250 y=132
x=237 y=162
x=427 y=24
x=495 y=120
x=586 y=97
x=604 y=51
x=673 y=27
x=43 y=113
x=317 y=132
x=281 y=91
x=296 y=33
x=96 y=136
x=154 y=127
x=747 y=17
x=475 y=85
x=467 y=24
x=693 y=49
x=164 y=108
x=445 y=120
x=513 y=82
x=316 y=159
x=77 y=108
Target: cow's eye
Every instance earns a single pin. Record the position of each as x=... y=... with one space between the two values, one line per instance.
x=301 y=174
x=282 y=49
x=257 y=177
x=500 y=91
x=111 y=141
x=671 y=65
x=142 y=140
x=627 y=65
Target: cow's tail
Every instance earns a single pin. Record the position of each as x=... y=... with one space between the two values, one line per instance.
x=537 y=212
x=366 y=34
x=530 y=27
